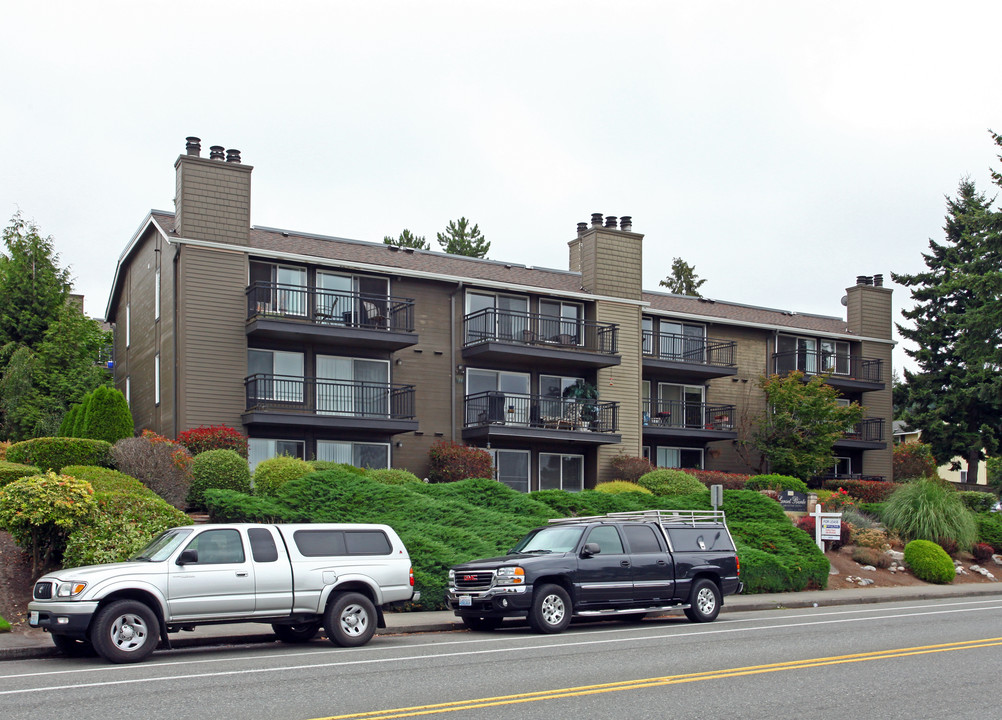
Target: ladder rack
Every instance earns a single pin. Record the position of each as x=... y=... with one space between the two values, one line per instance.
x=692 y=518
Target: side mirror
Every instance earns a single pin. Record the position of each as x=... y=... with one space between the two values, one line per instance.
x=187 y=556
x=590 y=549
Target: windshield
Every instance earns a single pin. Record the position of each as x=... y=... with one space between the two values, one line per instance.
x=550 y=539
x=161 y=547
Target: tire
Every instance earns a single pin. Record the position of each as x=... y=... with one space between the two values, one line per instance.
x=479 y=622
x=299 y=633
x=125 y=631
x=551 y=609
x=350 y=620
x=704 y=601
x=72 y=647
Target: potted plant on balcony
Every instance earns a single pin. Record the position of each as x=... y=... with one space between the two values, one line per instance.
x=583 y=394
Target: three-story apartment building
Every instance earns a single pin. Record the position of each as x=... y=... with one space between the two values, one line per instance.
x=360 y=352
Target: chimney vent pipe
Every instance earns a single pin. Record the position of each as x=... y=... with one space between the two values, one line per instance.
x=626 y=223
x=863 y=280
x=582 y=228
x=216 y=152
x=193 y=146
x=878 y=280
x=233 y=156
x=610 y=221
x=596 y=219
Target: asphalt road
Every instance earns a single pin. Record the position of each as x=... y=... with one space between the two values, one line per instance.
x=922 y=659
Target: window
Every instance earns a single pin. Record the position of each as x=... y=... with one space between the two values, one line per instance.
x=156 y=379
x=561 y=472
x=128 y=324
x=560 y=322
x=963 y=476
x=263 y=548
x=359 y=454
x=216 y=547
x=607 y=537
x=811 y=356
x=676 y=405
x=511 y=467
x=353 y=386
x=681 y=341
x=495 y=396
x=352 y=299
x=676 y=457
x=553 y=409
x=156 y=295
x=327 y=543
x=275 y=375
x=259 y=449
x=647 y=335
x=642 y=539
x=843 y=466
x=497 y=317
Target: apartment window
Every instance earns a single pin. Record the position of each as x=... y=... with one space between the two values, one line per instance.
x=496 y=396
x=353 y=386
x=647 y=335
x=156 y=295
x=359 y=454
x=511 y=467
x=676 y=457
x=279 y=289
x=963 y=476
x=843 y=466
x=275 y=375
x=560 y=322
x=128 y=325
x=811 y=356
x=352 y=299
x=259 y=449
x=681 y=341
x=675 y=405
x=561 y=472
x=156 y=379
x=493 y=316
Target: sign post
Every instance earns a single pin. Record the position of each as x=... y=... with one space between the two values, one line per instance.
x=716 y=496
x=827 y=526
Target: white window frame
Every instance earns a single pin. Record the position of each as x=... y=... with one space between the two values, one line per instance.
x=156 y=295
x=578 y=485
x=128 y=325
x=292 y=395
x=350 y=447
x=567 y=325
x=679 y=451
x=494 y=452
x=128 y=390
x=254 y=446
x=514 y=326
x=332 y=402
x=156 y=379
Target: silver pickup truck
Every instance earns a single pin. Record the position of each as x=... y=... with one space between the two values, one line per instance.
x=295 y=577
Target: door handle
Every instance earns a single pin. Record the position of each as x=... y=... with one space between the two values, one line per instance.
x=662 y=563
x=241 y=574
x=624 y=563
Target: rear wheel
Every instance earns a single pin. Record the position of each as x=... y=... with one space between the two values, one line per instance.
x=551 y=609
x=475 y=622
x=125 y=631
x=72 y=647
x=303 y=632
x=350 y=620
x=704 y=601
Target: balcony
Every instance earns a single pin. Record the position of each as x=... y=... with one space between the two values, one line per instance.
x=539 y=341
x=846 y=372
x=497 y=415
x=867 y=434
x=680 y=420
x=304 y=402
x=309 y=314
x=689 y=358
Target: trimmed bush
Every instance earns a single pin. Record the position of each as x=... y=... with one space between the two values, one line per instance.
x=868 y=537
x=122 y=525
x=217 y=469
x=9 y=472
x=805 y=565
x=325 y=465
x=871 y=556
x=869 y=491
x=762 y=572
x=159 y=463
x=271 y=474
x=630 y=468
x=975 y=501
x=41 y=511
x=730 y=481
x=452 y=462
x=620 y=486
x=912 y=461
x=393 y=476
x=671 y=482
x=776 y=482
x=54 y=453
x=929 y=562
x=214 y=437
x=928 y=509
x=226 y=506
x=107 y=416
x=990 y=530
x=108 y=480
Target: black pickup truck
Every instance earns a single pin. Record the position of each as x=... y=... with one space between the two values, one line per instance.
x=627 y=564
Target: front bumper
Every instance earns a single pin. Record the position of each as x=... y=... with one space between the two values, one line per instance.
x=497 y=601
x=62 y=618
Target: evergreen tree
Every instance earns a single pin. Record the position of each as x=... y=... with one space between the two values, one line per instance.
x=955 y=398
x=683 y=279
x=107 y=416
x=461 y=239
x=409 y=240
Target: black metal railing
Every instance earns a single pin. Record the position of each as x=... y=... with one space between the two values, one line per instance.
x=684 y=348
x=540 y=411
x=521 y=328
x=687 y=415
x=318 y=396
x=849 y=367
x=868 y=429
x=330 y=307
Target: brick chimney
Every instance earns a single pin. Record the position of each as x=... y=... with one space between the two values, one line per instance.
x=609 y=258
x=212 y=195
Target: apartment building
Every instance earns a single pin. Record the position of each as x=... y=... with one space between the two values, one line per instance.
x=337 y=349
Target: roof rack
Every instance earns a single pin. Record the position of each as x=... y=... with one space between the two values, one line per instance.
x=685 y=517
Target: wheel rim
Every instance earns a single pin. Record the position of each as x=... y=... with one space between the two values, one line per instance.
x=354 y=620
x=129 y=632
x=705 y=601
x=553 y=609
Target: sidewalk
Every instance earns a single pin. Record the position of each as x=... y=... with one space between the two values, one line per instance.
x=37 y=644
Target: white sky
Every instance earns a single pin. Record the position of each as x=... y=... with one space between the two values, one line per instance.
x=781 y=147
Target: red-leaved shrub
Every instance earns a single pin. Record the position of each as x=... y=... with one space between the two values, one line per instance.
x=450 y=462
x=214 y=437
x=730 y=481
x=868 y=491
x=982 y=552
x=913 y=460
x=630 y=468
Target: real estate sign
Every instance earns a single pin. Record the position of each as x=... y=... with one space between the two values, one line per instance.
x=831 y=528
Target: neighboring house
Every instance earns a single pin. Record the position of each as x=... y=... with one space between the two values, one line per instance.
x=903 y=434
x=337 y=349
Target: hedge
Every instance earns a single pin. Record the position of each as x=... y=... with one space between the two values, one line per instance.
x=217 y=469
x=54 y=453
x=776 y=482
x=868 y=491
x=670 y=482
x=108 y=480
x=11 y=471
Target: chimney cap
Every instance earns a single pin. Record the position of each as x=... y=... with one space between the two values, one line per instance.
x=596 y=219
x=193 y=146
x=216 y=152
x=233 y=156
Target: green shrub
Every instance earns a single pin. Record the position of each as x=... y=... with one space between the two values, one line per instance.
x=69 y=421
x=107 y=416
x=620 y=486
x=54 y=453
x=451 y=462
x=4 y=445
x=159 y=463
x=226 y=506
x=392 y=476
x=9 y=471
x=108 y=480
x=215 y=437
x=976 y=501
x=761 y=572
x=324 y=465
x=990 y=530
x=751 y=505
x=868 y=537
x=806 y=566
x=776 y=482
x=871 y=556
x=913 y=460
x=271 y=474
x=839 y=501
x=630 y=468
x=122 y=525
x=730 y=481
x=859 y=519
x=670 y=482
x=993 y=468
x=929 y=562
x=41 y=511
x=928 y=509
x=217 y=469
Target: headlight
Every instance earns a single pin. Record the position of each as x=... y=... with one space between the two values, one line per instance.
x=70 y=589
x=511 y=576
x=452 y=577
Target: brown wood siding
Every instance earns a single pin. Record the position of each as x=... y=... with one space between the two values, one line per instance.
x=621 y=383
x=880 y=404
x=211 y=337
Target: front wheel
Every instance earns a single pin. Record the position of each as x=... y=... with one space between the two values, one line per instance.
x=704 y=601
x=350 y=620
x=479 y=622
x=551 y=609
x=303 y=632
x=125 y=631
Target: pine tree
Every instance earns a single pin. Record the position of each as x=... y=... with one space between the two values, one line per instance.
x=461 y=239
x=683 y=279
x=408 y=239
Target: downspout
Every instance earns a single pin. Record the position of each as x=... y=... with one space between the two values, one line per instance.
x=176 y=330
x=452 y=359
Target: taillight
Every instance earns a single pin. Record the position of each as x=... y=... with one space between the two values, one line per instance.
x=738 y=561
x=411 y=574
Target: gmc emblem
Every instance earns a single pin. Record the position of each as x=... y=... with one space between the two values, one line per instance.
x=469 y=578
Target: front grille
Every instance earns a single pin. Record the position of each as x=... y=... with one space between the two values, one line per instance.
x=43 y=591
x=474 y=580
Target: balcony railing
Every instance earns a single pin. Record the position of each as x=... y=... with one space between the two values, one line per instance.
x=520 y=328
x=687 y=349
x=867 y=429
x=838 y=366
x=687 y=415
x=540 y=411
x=318 y=396
x=331 y=307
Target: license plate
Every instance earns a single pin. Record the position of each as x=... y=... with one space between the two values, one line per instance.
x=33 y=618
x=465 y=601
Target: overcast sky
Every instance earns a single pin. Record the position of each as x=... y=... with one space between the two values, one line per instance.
x=780 y=147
